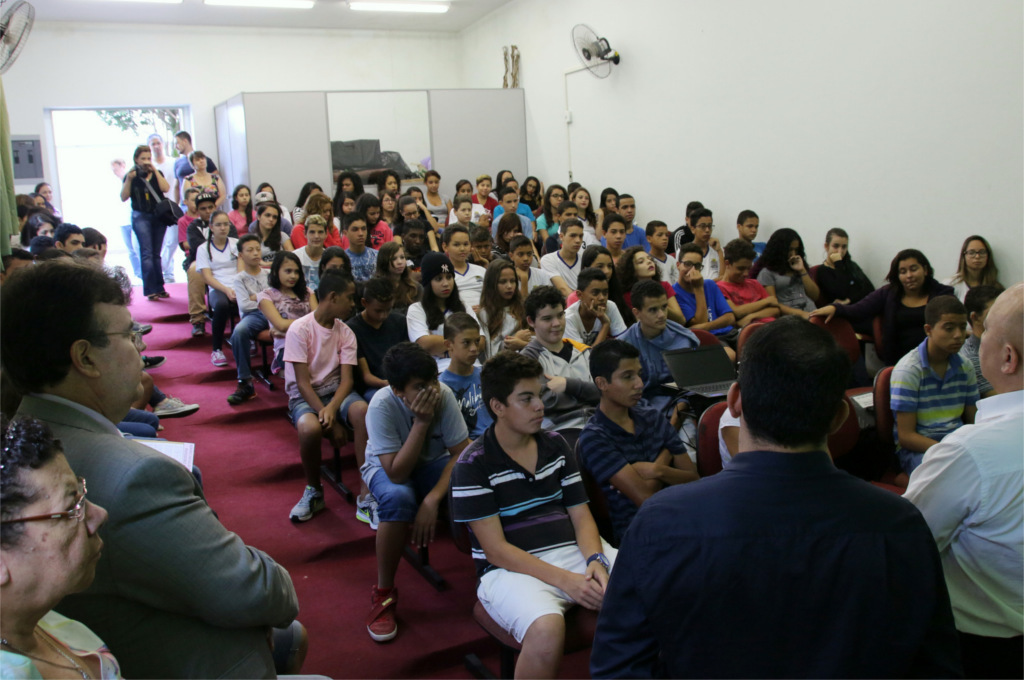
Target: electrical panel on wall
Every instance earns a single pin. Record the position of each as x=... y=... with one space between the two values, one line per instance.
x=27 y=154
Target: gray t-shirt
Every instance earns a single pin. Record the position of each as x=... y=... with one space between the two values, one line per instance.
x=789 y=290
x=389 y=423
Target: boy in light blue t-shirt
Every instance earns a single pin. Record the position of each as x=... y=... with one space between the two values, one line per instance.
x=363 y=258
x=462 y=339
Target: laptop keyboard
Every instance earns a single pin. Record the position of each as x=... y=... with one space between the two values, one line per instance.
x=715 y=387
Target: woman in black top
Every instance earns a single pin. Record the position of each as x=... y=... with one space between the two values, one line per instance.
x=840 y=279
x=145 y=185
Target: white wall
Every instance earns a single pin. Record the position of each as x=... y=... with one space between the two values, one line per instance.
x=899 y=120
x=111 y=65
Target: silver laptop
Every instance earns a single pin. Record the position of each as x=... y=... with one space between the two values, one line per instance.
x=704 y=370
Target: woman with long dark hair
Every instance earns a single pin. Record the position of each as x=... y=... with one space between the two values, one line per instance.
x=976 y=267
x=783 y=272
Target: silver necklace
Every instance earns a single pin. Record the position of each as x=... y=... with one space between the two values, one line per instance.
x=74 y=664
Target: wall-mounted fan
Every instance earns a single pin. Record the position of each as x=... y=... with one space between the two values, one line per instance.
x=594 y=52
x=15 y=25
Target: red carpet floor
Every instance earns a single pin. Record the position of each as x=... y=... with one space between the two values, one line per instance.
x=252 y=476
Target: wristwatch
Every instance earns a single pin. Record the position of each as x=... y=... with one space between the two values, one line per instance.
x=600 y=558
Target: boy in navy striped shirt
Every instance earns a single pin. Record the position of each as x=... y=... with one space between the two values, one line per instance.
x=535 y=543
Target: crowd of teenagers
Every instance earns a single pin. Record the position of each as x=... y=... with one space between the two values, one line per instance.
x=492 y=350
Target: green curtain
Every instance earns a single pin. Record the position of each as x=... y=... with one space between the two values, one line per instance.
x=8 y=210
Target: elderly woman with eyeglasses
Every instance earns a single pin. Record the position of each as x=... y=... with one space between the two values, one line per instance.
x=49 y=547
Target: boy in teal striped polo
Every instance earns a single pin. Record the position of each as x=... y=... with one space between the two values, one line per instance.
x=934 y=391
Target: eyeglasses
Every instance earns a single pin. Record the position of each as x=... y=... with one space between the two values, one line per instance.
x=77 y=512
x=709 y=227
x=975 y=253
x=689 y=265
x=134 y=335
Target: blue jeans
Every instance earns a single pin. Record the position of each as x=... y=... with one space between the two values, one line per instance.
x=139 y=423
x=401 y=502
x=245 y=332
x=132 y=244
x=151 y=239
x=167 y=252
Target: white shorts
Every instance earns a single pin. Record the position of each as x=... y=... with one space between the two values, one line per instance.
x=516 y=600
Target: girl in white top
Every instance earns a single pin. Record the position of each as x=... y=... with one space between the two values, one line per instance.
x=581 y=197
x=437 y=205
x=501 y=314
x=976 y=267
x=217 y=262
x=425 y=319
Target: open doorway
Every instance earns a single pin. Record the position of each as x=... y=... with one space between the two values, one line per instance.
x=87 y=145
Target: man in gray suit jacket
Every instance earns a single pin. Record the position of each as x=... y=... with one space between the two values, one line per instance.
x=176 y=594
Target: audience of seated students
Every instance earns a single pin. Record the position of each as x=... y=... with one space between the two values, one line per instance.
x=636 y=265
x=609 y=204
x=462 y=340
x=592 y=318
x=553 y=198
x=782 y=525
x=701 y=300
x=976 y=267
x=309 y=188
x=900 y=303
x=747 y=225
x=710 y=247
x=501 y=313
x=934 y=390
x=658 y=242
x=468 y=276
x=167 y=561
x=416 y=433
x=251 y=280
x=530 y=277
x=377 y=328
x=482 y=244
x=393 y=267
x=566 y=210
x=631 y=450
x=652 y=334
x=312 y=250
x=565 y=261
x=268 y=232
x=363 y=258
x=978 y=302
x=217 y=262
x=747 y=298
x=285 y=299
x=320 y=356
x=782 y=270
x=684 y=233
x=535 y=544
x=440 y=298
x=969 y=490
x=68 y=237
x=241 y=214
x=38 y=484
x=569 y=392
x=318 y=205
x=614 y=235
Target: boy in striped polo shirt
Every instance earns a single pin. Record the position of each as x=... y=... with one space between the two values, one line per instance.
x=934 y=391
x=535 y=544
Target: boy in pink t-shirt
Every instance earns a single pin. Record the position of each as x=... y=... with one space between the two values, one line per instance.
x=319 y=355
x=749 y=300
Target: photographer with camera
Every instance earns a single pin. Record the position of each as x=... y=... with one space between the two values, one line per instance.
x=145 y=186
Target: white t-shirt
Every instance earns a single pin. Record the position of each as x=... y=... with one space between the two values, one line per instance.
x=223 y=264
x=470 y=285
x=536 y=277
x=709 y=269
x=668 y=269
x=478 y=211
x=555 y=265
x=416 y=323
x=310 y=268
x=575 y=330
x=494 y=345
x=727 y=420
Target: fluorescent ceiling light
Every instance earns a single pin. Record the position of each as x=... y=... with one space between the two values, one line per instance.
x=152 y=2
x=278 y=4
x=422 y=7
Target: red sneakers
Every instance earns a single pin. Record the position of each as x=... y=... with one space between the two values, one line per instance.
x=381 y=624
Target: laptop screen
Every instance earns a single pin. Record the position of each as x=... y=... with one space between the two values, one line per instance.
x=699 y=366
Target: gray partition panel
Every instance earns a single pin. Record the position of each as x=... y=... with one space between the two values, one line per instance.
x=232 y=159
x=475 y=132
x=288 y=141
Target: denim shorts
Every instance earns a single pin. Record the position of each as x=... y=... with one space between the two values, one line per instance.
x=297 y=407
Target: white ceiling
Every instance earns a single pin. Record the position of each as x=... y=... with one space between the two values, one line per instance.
x=327 y=14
